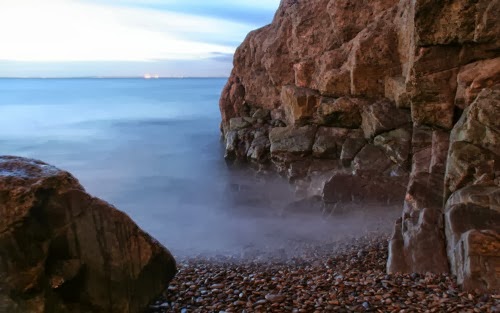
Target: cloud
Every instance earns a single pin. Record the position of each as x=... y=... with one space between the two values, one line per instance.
x=255 y=13
x=71 y=30
x=222 y=57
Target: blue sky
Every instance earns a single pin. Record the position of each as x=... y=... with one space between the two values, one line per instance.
x=70 y=38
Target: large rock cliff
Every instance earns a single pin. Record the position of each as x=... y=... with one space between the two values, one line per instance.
x=61 y=250
x=387 y=101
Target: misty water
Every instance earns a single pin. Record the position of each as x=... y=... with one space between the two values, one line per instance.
x=152 y=148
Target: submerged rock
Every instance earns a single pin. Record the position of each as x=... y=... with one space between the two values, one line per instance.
x=61 y=250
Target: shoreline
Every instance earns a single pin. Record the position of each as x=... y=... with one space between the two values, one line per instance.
x=353 y=279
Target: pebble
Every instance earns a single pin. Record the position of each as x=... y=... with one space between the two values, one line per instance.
x=335 y=277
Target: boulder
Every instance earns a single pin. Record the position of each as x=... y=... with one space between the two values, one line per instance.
x=290 y=143
x=259 y=149
x=396 y=144
x=237 y=123
x=299 y=104
x=381 y=117
x=478 y=259
x=62 y=250
x=341 y=112
x=328 y=142
x=353 y=143
x=474 y=261
x=479 y=124
x=474 y=155
x=261 y=114
x=467 y=164
x=232 y=141
x=371 y=160
x=474 y=77
x=418 y=243
x=472 y=211
x=364 y=190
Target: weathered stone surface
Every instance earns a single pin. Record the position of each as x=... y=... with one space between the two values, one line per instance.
x=231 y=144
x=467 y=164
x=261 y=114
x=396 y=90
x=289 y=143
x=354 y=142
x=474 y=154
x=485 y=195
x=418 y=242
x=341 y=112
x=474 y=77
x=410 y=64
x=479 y=124
x=472 y=212
x=478 y=260
x=396 y=144
x=62 y=250
x=328 y=142
x=382 y=116
x=232 y=99
x=365 y=190
x=432 y=99
x=259 y=149
x=474 y=245
x=299 y=104
x=441 y=23
x=237 y=123
x=371 y=160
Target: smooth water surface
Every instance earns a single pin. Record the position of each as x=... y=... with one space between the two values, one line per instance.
x=152 y=148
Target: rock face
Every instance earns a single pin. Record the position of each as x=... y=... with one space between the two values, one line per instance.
x=382 y=83
x=61 y=250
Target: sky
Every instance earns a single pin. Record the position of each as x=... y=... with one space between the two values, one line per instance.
x=169 y=38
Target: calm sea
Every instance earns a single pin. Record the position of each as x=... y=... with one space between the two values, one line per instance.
x=152 y=148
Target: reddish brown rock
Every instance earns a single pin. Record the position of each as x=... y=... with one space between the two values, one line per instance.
x=478 y=260
x=289 y=143
x=371 y=160
x=65 y=251
x=381 y=117
x=396 y=89
x=341 y=112
x=382 y=68
x=474 y=155
x=418 y=242
x=328 y=142
x=441 y=23
x=473 y=77
x=299 y=104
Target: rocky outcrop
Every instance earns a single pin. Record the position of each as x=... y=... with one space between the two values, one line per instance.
x=472 y=212
x=379 y=86
x=61 y=250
